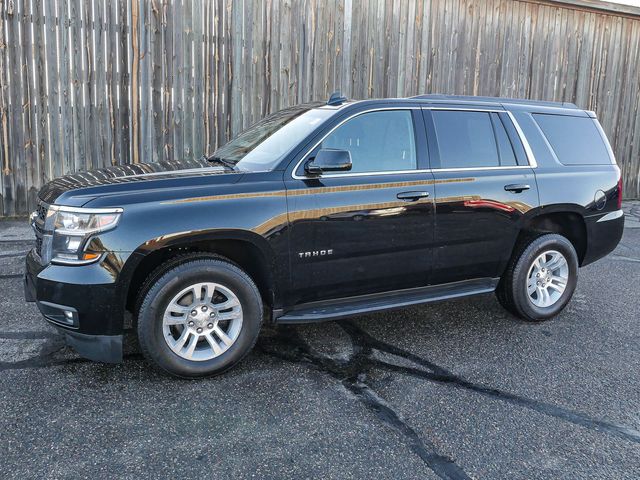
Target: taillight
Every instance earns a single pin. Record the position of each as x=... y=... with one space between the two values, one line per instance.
x=620 y=193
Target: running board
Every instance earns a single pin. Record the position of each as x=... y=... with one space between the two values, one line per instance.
x=377 y=302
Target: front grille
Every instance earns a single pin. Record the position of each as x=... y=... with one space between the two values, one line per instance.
x=38 y=224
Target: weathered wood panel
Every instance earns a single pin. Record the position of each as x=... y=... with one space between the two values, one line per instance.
x=90 y=83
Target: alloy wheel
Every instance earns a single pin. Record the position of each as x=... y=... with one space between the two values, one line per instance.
x=202 y=321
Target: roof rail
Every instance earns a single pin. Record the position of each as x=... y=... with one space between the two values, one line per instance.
x=516 y=101
x=336 y=98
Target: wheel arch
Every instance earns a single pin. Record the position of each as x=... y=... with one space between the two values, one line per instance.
x=566 y=220
x=245 y=249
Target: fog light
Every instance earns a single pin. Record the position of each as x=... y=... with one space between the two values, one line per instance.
x=60 y=314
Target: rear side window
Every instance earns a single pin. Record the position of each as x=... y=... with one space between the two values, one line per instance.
x=575 y=140
x=472 y=139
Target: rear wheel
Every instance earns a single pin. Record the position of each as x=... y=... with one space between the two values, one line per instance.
x=199 y=318
x=540 y=279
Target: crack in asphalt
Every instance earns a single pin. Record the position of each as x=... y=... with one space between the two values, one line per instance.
x=443 y=376
x=288 y=345
x=624 y=258
x=352 y=373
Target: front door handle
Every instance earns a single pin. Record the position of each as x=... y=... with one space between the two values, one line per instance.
x=516 y=187
x=412 y=196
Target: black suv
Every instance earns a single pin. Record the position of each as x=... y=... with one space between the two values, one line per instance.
x=324 y=211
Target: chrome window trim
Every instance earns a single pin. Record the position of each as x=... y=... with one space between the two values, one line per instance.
x=467 y=109
x=475 y=169
x=355 y=174
x=533 y=163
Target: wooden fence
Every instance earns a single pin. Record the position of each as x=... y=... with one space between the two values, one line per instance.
x=90 y=83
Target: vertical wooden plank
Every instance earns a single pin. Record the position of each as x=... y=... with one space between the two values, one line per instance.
x=16 y=161
x=123 y=129
x=33 y=177
x=135 y=86
x=78 y=85
x=156 y=81
x=272 y=56
x=145 y=72
x=92 y=145
x=211 y=73
x=52 y=96
x=187 y=41
x=345 y=84
x=6 y=184
x=112 y=81
x=99 y=111
x=167 y=80
x=66 y=92
x=179 y=77
x=199 y=141
x=223 y=44
x=238 y=10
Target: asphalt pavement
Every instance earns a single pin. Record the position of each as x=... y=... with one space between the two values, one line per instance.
x=458 y=389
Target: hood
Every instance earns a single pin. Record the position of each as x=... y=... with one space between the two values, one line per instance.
x=120 y=178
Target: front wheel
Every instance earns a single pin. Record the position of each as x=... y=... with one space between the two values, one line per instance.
x=199 y=318
x=540 y=278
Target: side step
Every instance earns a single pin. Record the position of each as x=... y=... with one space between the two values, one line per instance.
x=377 y=302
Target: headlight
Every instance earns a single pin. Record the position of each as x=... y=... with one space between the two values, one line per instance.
x=72 y=228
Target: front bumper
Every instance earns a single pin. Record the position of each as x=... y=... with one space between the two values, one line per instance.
x=86 y=303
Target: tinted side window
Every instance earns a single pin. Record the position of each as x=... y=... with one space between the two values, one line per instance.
x=378 y=141
x=575 y=140
x=465 y=139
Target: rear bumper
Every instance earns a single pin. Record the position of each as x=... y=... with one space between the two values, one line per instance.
x=603 y=235
x=83 y=302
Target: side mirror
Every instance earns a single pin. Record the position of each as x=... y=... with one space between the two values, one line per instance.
x=329 y=160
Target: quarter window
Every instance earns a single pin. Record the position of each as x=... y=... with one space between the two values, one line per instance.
x=472 y=139
x=575 y=140
x=378 y=141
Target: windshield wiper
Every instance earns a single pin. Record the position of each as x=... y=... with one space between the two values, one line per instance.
x=221 y=161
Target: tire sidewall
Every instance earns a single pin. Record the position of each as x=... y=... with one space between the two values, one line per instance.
x=150 y=331
x=520 y=277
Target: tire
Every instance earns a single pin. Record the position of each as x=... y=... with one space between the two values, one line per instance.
x=530 y=290
x=198 y=318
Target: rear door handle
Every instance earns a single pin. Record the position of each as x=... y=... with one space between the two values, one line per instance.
x=516 y=187
x=412 y=196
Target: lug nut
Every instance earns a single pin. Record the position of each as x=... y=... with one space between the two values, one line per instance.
x=193 y=313
x=210 y=325
x=204 y=309
x=191 y=324
x=199 y=330
x=212 y=314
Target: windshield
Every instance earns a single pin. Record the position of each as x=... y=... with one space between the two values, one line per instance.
x=264 y=144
